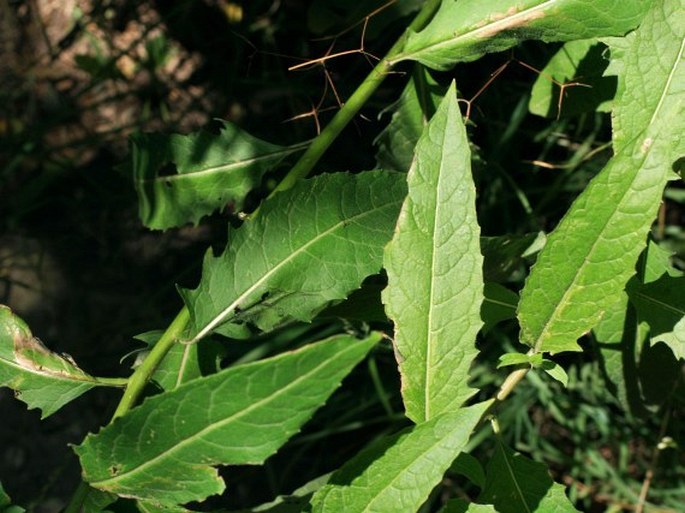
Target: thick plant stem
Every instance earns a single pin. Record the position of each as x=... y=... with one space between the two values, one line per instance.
x=134 y=388
x=374 y=79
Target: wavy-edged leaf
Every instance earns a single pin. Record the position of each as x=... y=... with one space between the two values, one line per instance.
x=649 y=64
x=41 y=378
x=435 y=270
x=411 y=113
x=592 y=253
x=516 y=484
x=309 y=246
x=582 y=62
x=465 y=30
x=398 y=473
x=661 y=305
x=181 y=178
x=164 y=450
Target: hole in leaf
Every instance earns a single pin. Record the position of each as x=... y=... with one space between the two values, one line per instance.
x=168 y=169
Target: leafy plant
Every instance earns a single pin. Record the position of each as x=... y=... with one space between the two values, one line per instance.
x=313 y=252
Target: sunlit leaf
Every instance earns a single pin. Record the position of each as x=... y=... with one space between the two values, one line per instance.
x=309 y=246
x=165 y=450
x=434 y=266
x=465 y=30
x=592 y=253
x=399 y=472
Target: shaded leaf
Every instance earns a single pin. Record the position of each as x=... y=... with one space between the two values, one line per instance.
x=499 y=304
x=469 y=467
x=41 y=378
x=465 y=30
x=592 y=253
x=411 y=113
x=582 y=62
x=181 y=178
x=164 y=450
x=309 y=246
x=398 y=474
x=661 y=305
x=434 y=266
x=506 y=254
x=515 y=484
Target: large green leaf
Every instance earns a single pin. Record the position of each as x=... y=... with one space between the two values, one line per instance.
x=41 y=378
x=309 y=246
x=181 y=178
x=516 y=484
x=411 y=113
x=399 y=473
x=465 y=30
x=434 y=266
x=649 y=64
x=582 y=62
x=164 y=450
x=592 y=253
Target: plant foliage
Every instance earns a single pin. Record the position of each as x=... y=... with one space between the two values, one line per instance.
x=292 y=307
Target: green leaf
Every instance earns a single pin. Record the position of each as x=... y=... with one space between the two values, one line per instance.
x=651 y=74
x=460 y=506
x=465 y=30
x=469 y=467
x=149 y=507
x=411 y=113
x=516 y=484
x=592 y=253
x=434 y=266
x=582 y=62
x=184 y=362
x=499 y=304
x=508 y=359
x=6 y=503
x=504 y=255
x=41 y=378
x=661 y=304
x=309 y=246
x=295 y=502
x=555 y=370
x=163 y=451
x=399 y=474
x=181 y=178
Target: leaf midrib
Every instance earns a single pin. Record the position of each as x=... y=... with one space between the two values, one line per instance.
x=221 y=168
x=488 y=28
x=226 y=312
x=85 y=379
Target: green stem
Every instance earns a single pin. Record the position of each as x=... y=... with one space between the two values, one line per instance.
x=374 y=79
x=134 y=388
x=140 y=378
x=111 y=382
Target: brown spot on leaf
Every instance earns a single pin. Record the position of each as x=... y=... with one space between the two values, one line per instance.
x=510 y=20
